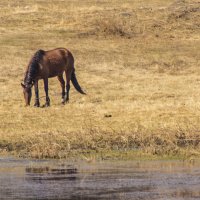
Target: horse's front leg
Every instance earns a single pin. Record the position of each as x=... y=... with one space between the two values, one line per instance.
x=46 y=91
x=37 y=102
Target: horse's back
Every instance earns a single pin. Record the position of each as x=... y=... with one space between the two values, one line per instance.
x=56 y=61
x=63 y=52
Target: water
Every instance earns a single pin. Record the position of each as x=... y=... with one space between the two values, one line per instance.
x=148 y=180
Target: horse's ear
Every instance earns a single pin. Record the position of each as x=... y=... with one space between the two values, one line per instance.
x=22 y=85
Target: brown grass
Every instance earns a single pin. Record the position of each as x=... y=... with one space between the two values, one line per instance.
x=138 y=62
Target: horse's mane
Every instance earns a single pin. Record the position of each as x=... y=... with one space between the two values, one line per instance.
x=33 y=67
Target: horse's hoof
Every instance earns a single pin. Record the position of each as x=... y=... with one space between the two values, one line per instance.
x=66 y=99
x=46 y=105
x=37 y=105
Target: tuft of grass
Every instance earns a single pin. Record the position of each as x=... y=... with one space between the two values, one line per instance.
x=124 y=24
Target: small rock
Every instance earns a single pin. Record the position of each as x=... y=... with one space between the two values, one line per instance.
x=107 y=115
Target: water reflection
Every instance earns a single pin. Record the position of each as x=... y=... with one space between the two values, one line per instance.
x=26 y=179
x=48 y=170
x=48 y=174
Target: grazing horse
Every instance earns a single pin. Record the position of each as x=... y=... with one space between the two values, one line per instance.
x=47 y=64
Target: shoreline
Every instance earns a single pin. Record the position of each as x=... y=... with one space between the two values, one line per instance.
x=103 y=155
x=102 y=144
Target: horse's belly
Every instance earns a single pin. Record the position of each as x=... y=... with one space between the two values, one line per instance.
x=55 y=71
x=52 y=75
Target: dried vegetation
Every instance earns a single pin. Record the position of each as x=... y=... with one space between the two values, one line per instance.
x=138 y=62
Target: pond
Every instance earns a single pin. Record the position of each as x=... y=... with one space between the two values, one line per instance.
x=61 y=179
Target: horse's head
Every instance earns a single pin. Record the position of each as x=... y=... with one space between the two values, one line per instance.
x=27 y=93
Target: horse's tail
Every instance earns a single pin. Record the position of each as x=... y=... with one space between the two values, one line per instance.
x=75 y=83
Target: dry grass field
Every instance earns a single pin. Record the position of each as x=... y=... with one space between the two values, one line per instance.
x=138 y=62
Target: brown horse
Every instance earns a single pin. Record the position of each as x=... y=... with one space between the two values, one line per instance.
x=47 y=64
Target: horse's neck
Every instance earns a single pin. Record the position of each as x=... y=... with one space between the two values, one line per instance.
x=29 y=75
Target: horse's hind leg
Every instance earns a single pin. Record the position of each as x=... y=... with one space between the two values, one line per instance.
x=68 y=78
x=62 y=83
